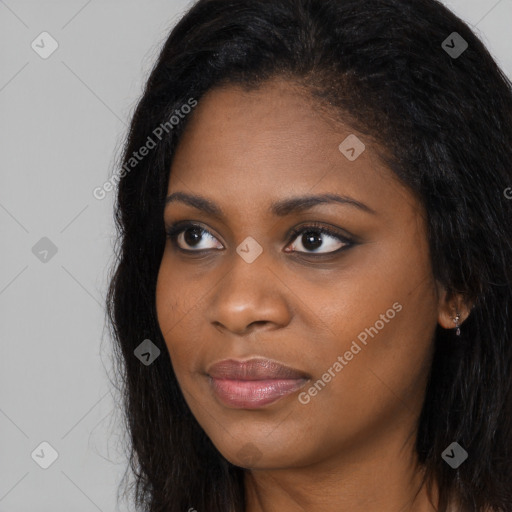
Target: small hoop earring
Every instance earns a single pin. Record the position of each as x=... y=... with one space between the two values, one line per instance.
x=456 y=320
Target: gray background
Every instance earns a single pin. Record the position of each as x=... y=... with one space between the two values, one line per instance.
x=62 y=123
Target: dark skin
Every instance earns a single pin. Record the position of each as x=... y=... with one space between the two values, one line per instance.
x=351 y=447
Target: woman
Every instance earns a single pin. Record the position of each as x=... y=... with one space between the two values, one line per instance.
x=312 y=305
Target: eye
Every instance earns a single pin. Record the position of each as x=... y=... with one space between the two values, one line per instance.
x=313 y=237
x=316 y=236
x=191 y=235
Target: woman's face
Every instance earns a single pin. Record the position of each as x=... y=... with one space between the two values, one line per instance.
x=353 y=312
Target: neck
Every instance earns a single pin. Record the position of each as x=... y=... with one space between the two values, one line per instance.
x=383 y=476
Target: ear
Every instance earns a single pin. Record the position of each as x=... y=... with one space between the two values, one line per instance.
x=449 y=305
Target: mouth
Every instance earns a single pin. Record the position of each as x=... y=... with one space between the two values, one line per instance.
x=254 y=383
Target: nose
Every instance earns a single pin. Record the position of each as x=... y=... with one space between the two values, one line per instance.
x=250 y=297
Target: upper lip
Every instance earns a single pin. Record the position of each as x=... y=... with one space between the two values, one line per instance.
x=253 y=369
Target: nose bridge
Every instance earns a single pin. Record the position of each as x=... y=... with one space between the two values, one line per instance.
x=249 y=293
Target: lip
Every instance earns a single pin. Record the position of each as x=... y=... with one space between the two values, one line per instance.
x=253 y=383
x=253 y=369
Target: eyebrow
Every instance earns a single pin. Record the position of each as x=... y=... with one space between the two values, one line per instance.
x=279 y=208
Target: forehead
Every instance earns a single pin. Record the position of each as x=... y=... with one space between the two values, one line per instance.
x=252 y=147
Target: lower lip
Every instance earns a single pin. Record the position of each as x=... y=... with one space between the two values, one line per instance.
x=252 y=394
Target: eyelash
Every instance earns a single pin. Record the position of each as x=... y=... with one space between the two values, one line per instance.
x=174 y=230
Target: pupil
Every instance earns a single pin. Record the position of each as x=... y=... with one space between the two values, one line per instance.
x=195 y=237
x=308 y=238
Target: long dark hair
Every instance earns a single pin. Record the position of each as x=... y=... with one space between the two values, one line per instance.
x=444 y=123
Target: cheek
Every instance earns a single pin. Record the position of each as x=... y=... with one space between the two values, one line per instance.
x=377 y=382
x=175 y=301
x=386 y=344
x=382 y=323
x=167 y=304
x=180 y=305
